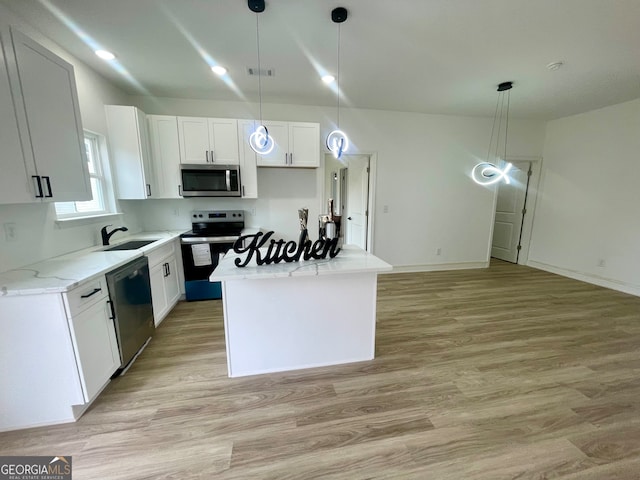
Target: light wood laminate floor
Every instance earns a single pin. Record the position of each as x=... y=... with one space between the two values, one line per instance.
x=500 y=373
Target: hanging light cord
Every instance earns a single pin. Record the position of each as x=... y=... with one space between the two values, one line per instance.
x=504 y=112
x=259 y=71
x=493 y=128
x=506 y=125
x=338 y=75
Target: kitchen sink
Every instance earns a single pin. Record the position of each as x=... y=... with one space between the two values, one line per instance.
x=130 y=245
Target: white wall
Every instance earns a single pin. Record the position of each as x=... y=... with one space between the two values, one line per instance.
x=38 y=236
x=424 y=162
x=587 y=209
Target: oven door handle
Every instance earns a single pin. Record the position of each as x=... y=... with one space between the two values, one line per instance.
x=201 y=240
x=228 y=179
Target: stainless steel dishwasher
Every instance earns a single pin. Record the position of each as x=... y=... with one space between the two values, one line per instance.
x=131 y=308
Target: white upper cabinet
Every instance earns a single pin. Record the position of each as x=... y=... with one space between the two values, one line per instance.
x=165 y=155
x=297 y=144
x=208 y=140
x=130 y=153
x=304 y=144
x=43 y=106
x=14 y=187
x=248 y=170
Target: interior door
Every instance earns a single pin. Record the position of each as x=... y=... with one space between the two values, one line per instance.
x=510 y=210
x=357 y=201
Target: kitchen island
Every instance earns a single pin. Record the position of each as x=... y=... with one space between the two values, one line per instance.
x=289 y=316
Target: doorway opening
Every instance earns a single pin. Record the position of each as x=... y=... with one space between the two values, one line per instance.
x=350 y=183
x=514 y=208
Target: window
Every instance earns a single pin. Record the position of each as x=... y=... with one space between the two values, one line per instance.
x=102 y=202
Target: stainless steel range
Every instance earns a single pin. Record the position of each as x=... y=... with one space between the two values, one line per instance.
x=213 y=233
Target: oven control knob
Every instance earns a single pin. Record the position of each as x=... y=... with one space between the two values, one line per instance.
x=234 y=215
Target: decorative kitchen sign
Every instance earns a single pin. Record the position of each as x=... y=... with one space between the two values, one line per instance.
x=281 y=250
x=276 y=251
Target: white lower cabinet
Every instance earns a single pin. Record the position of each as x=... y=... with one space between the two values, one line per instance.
x=57 y=352
x=96 y=347
x=165 y=280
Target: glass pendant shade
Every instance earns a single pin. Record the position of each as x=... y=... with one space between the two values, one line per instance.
x=260 y=141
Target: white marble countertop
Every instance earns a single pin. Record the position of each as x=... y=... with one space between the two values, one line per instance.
x=63 y=273
x=351 y=259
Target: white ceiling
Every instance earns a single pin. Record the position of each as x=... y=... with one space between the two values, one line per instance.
x=432 y=56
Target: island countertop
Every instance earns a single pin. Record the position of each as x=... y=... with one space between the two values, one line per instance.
x=351 y=259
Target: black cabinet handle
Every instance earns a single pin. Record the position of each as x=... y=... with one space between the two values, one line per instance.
x=168 y=269
x=148 y=190
x=48 y=181
x=113 y=314
x=243 y=190
x=38 y=186
x=206 y=154
x=95 y=290
x=180 y=190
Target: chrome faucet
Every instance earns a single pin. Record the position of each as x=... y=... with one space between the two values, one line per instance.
x=106 y=236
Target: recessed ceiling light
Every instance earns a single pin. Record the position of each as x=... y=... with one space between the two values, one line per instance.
x=328 y=79
x=105 y=54
x=218 y=70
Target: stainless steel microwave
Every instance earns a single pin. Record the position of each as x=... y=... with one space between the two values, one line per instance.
x=202 y=180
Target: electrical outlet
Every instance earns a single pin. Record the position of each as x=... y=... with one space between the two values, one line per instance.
x=252 y=212
x=385 y=209
x=438 y=251
x=601 y=262
x=10 y=231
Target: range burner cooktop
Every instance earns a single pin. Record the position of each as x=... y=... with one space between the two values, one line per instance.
x=220 y=225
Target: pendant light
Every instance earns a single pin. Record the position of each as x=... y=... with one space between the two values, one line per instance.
x=487 y=173
x=259 y=140
x=337 y=141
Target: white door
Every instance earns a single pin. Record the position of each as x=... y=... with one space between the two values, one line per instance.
x=510 y=210
x=355 y=223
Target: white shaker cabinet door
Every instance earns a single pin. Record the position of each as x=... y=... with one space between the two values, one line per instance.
x=304 y=144
x=53 y=117
x=158 y=296
x=223 y=141
x=165 y=149
x=193 y=133
x=172 y=282
x=279 y=156
x=129 y=142
x=248 y=169
x=15 y=181
x=96 y=347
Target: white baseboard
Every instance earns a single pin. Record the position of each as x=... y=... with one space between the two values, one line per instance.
x=436 y=267
x=588 y=278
